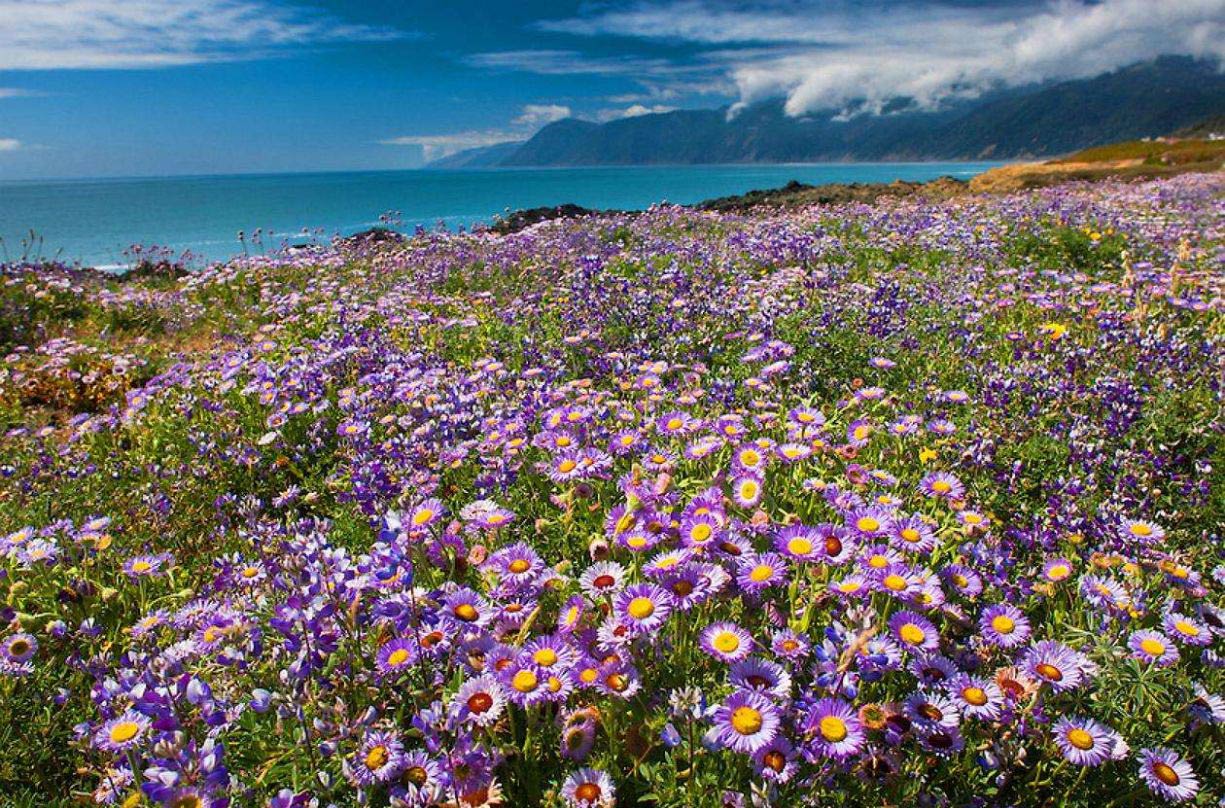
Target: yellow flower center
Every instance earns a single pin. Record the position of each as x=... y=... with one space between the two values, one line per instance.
x=1003 y=624
x=750 y=458
x=911 y=634
x=124 y=731
x=910 y=534
x=1189 y=629
x=1080 y=738
x=1152 y=647
x=422 y=516
x=895 y=583
x=466 y=612
x=726 y=641
x=878 y=562
x=397 y=657
x=641 y=608
x=746 y=720
x=833 y=728
x=524 y=681
x=674 y=423
x=377 y=758
x=941 y=487
x=701 y=532
x=1058 y=572
x=749 y=489
x=141 y=566
x=974 y=695
x=545 y=657
x=566 y=466
x=849 y=587
x=1141 y=530
x=761 y=572
x=867 y=524
x=519 y=566
x=799 y=546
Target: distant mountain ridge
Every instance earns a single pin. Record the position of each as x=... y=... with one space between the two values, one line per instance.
x=1146 y=99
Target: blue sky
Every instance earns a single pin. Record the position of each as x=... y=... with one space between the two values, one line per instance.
x=152 y=87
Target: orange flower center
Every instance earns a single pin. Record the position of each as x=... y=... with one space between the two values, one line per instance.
x=1166 y=774
x=480 y=703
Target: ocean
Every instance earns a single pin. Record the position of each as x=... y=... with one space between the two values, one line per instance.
x=95 y=221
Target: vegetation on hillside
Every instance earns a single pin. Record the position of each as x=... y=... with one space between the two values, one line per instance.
x=916 y=502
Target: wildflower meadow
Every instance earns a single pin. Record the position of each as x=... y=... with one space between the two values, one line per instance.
x=912 y=503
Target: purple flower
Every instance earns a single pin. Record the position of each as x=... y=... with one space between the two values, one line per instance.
x=1004 y=626
x=123 y=732
x=396 y=656
x=589 y=788
x=379 y=759
x=643 y=608
x=942 y=485
x=480 y=701
x=1153 y=647
x=1167 y=775
x=18 y=648
x=1083 y=741
x=1057 y=665
x=746 y=722
x=833 y=729
x=914 y=631
x=726 y=642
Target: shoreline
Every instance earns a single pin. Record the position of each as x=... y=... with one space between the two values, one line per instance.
x=1003 y=179
x=1081 y=167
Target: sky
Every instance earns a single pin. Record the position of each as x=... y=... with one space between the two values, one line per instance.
x=92 y=88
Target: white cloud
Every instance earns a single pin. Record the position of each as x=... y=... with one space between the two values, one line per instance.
x=632 y=111
x=832 y=56
x=83 y=34
x=530 y=118
x=434 y=147
x=564 y=63
x=14 y=92
x=536 y=115
x=9 y=144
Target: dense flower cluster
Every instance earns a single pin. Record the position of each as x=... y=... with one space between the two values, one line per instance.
x=854 y=505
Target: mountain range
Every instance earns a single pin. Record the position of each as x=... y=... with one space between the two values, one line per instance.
x=1145 y=99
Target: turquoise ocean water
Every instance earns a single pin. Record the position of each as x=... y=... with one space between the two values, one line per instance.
x=94 y=221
